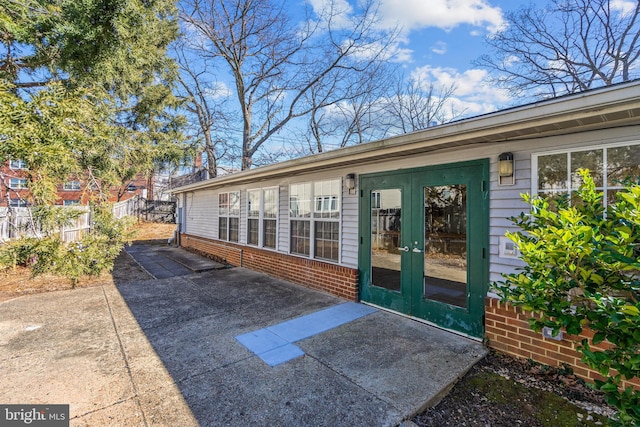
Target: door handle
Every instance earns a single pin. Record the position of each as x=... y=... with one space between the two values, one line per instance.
x=416 y=250
x=405 y=249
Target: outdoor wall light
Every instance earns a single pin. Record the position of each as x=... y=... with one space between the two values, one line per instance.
x=350 y=181
x=506 y=169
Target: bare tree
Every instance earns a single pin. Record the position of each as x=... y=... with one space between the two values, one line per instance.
x=567 y=47
x=415 y=105
x=353 y=120
x=203 y=101
x=276 y=62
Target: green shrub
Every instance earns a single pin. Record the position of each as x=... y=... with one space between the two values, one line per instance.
x=582 y=271
x=90 y=256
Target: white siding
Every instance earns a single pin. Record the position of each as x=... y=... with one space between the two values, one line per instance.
x=505 y=201
x=349 y=219
x=201 y=214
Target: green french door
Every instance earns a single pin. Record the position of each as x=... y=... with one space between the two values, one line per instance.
x=423 y=243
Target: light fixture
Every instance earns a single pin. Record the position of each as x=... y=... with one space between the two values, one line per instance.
x=350 y=181
x=506 y=169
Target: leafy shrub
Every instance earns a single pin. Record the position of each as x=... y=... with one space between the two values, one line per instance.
x=90 y=256
x=582 y=271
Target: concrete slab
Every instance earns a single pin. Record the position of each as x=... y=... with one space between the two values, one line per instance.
x=164 y=352
x=65 y=348
x=399 y=360
x=164 y=261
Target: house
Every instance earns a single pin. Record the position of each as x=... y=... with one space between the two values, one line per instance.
x=14 y=184
x=416 y=223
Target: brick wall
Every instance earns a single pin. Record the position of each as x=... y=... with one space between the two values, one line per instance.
x=334 y=279
x=508 y=331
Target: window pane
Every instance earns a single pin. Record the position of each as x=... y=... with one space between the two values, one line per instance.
x=18 y=203
x=17 y=164
x=326 y=194
x=72 y=186
x=234 y=228
x=18 y=183
x=234 y=203
x=623 y=163
x=223 y=203
x=300 y=237
x=271 y=203
x=253 y=202
x=445 y=244
x=222 y=228
x=591 y=160
x=253 y=232
x=269 y=238
x=300 y=200
x=552 y=172
x=326 y=240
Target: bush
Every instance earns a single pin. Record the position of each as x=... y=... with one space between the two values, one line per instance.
x=90 y=256
x=582 y=271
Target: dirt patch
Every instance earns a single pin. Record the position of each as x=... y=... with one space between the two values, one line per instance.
x=503 y=391
x=19 y=281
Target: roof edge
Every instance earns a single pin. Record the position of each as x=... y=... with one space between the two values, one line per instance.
x=595 y=101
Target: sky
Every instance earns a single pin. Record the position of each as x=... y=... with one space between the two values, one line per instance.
x=441 y=39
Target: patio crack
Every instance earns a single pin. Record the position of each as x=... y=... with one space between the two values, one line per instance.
x=124 y=356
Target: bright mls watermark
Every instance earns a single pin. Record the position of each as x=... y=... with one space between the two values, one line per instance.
x=34 y=415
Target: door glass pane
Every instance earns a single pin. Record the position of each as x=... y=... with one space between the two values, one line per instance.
x=445 y=244
x=385 y=238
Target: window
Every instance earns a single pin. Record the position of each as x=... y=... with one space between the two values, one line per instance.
x=375 y=200
x=317 y=222
x=610 y=166
x=71 y=202
x=262 y=217
x=18 y=203
x=300 y=215
x=17 y=164
x=18 y=183
x=229 y=216
x=270 y=218
x=71 y=186
x=253 y=217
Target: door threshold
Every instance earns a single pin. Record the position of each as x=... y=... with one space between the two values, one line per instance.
x=417 y=319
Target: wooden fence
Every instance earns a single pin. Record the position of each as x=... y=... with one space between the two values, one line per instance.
x=18 y=222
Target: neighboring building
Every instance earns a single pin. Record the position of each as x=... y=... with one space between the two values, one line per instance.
x=15 y=188
x=416 y=223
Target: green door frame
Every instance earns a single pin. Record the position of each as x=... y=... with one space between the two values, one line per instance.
x=475 y=175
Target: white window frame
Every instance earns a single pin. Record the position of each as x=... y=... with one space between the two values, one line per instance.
x=71 y=186
x=17 y=164
x=18 y=203
x=74 y=202
x=316 y=216
x=262 y=218
x=18 y=183
x=228 y=215
x=606 y=186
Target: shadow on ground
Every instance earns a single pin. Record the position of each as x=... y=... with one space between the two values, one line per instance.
x=376 y=370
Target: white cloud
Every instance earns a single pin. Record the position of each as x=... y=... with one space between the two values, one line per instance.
x=218 y=90
x=439 y=48
x=392 y=52
x=339 y=11
x=445 y=14
x=472 y=95
x=624 y=6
